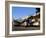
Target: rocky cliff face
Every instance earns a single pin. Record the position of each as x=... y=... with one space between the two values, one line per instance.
x=33 y=20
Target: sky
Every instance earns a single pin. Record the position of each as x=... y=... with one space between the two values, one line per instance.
x=18 y=12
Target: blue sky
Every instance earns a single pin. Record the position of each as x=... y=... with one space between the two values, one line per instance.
x=23 y=11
